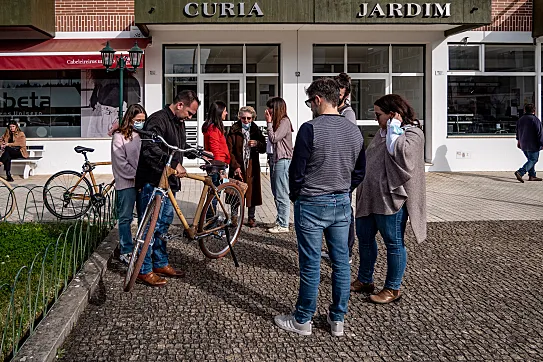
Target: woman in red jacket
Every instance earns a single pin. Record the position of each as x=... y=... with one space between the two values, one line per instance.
x=214 y=138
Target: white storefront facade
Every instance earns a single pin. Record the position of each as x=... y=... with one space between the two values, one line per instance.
x=468 y=87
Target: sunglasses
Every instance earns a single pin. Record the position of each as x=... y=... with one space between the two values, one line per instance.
x=245 y=118
x=309 y=101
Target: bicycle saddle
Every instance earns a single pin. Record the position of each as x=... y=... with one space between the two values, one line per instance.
x=80 y=149
x=214 y=167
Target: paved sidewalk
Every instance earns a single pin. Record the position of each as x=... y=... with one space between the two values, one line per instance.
x=450 y=196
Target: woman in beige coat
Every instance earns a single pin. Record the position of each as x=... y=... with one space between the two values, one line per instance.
x=13 y=146
x=393 y=190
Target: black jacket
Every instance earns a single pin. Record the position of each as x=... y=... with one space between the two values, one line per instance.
x=153 y=156
x=530 y=133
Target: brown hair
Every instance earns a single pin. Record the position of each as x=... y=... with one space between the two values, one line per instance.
x=394 y=103
x=279 y=111
x=6 y=133
x=127 y=127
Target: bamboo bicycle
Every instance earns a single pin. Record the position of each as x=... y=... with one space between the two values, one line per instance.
x=69 y=194
x=216 y=224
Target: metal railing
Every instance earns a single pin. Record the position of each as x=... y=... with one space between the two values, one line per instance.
x=36 y=287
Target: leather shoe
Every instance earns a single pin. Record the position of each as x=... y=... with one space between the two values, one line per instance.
x=234 y=221
x=533 y=178
x=251 y=223
x=152 y=280
x=168 y=271
x=519 y=176
x=359 y=287
x=385 y=296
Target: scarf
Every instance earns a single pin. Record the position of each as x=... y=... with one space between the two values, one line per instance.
x=246 y=148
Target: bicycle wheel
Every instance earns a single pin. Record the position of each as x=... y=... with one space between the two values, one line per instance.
x=67 y=195
x=215 y=245
x=7 y=200
x=145 y=229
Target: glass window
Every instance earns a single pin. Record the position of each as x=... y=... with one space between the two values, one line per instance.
x=44 y=103
x=367 y=59
x=221 y=58
x=412 y=89
x=262 y=58
x=259 y=90
x=487 y=104
x=407 y=59
x=328 y=58
x=501 y=58
x=364 y=92
x=464 y=57
x=181 y=59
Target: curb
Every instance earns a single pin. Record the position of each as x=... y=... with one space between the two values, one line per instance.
x=57 y=325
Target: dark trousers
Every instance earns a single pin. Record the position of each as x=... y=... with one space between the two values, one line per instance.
x=10 y=153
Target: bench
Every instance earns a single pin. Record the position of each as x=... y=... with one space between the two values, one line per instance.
x=35 y=154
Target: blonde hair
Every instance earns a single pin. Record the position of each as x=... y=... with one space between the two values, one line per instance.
x=247 y=109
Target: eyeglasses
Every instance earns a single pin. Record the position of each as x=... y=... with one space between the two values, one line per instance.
x=309 y=101
x=245 y=118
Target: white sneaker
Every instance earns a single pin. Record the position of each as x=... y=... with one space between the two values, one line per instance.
x=336 y=327
x=288 y=323
x=324 y=255
x=124 y=258
x=278 y=229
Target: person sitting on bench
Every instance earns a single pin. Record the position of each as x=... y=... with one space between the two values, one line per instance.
x=13 y=146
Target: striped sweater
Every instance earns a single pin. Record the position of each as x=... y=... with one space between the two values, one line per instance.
x=328 y=158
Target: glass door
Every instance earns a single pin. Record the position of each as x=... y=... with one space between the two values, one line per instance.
x=365 y=92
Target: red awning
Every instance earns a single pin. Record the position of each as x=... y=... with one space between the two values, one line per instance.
x=60 y=53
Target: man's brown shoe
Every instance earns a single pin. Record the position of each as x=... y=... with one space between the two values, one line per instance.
x=234 y=221
x=251 y=223
x=534 y=178
x=168 y=271
x=385 y=296
x=518 y=176
x=359 y=287
x=152 y=280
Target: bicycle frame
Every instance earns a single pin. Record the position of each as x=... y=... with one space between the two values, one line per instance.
x=87 y=169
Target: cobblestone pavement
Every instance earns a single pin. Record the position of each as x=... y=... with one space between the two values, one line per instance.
x=471 y=293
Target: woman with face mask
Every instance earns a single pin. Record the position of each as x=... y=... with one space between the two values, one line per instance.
x=125 y=152
x=13 y=145
x=245 y=142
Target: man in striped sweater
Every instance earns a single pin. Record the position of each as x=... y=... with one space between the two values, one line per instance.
x=327 y=164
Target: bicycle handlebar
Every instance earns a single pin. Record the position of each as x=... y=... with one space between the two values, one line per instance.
x=199 y=151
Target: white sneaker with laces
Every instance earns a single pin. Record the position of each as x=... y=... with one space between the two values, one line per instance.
x=278 y=229
x=336 y=327
x=289 y=324
x=125 y=258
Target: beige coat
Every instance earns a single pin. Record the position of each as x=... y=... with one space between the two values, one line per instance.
x=19 y=139
x=392 y=181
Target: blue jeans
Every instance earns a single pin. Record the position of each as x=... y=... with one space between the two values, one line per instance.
x=272 y=167
x=157 y=255
x=125 y=205
x=529 y=166
x=392 y=229
x=313 y=216
x=280 y=184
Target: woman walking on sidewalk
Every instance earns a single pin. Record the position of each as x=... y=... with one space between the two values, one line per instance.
x=280 y=135
x=125 y=152
x=394 y=188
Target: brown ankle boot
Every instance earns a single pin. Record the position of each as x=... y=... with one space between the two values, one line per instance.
x=385 y=296
x=359 y=287
x=533 y=178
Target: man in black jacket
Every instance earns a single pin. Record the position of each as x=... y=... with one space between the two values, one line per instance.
x=530 y=141
x=170 y=124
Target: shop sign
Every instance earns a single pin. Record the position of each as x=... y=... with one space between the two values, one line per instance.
x=208 y=10
x=409 y=10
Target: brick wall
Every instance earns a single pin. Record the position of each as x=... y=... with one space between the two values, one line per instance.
x=94 y=15
x=511 y=15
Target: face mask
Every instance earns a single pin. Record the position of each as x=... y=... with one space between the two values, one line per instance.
x=246 y=126
x=139 y=125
